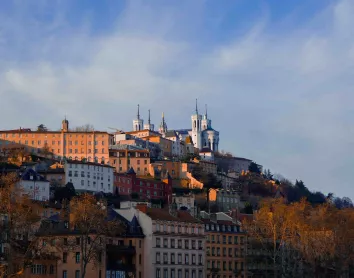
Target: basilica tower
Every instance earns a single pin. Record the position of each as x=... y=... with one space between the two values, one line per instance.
x=138 y=123
x=197 y=127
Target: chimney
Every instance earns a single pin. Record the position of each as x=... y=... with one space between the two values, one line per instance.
x=142 y=207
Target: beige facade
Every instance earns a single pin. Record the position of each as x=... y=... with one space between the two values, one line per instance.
x=89 y=145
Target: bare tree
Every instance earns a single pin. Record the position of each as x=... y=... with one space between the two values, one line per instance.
x=84 y=128
x=19 y=222
x=89 y=218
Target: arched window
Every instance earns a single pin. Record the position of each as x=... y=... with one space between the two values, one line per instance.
x=195 y=124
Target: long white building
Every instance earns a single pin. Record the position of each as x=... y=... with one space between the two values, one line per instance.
x=89 y=177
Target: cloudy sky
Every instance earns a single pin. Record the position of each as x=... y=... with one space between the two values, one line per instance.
x=278 y=76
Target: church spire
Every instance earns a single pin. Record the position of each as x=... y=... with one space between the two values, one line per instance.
x=149 y=118
x=138 y=112
x=206 y=111
x=196 y=106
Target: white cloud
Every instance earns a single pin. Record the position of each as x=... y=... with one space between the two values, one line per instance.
x=283 y=99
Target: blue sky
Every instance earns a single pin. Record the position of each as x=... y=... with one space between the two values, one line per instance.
x=276 y=75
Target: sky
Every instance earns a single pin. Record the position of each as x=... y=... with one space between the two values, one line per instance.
x=277 y=76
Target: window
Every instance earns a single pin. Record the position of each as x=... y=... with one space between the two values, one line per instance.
x=65 y=274
x=200 y=244
x=65 y=257
x=77 y=273
x=200 y=259
x=158 y=273
x=165 y=242
x=173 y=273
x=77 y=257
x=193 y=259
x=186 y=244
x=158 y=242
x=165 y=258
x=186 y=273
x=51 y=269
x=186 y=259
x=157 y=257
x=165 y=273
x=172 y=258
x=77 y=241
x=172 y=243
x=179 y=243
x=179 y=273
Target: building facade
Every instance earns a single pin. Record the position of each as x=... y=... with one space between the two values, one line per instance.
x=74 y=145
x=34 y=185
x=227 y=200
x=146 y=189
x=174 y=243
x=89 y=177
x=226 y=246
x=124 y=157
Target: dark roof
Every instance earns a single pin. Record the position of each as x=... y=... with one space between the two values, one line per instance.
x=26 y=176
x=171 y=133
x=69 y=161
x=163 y=214
x=131 y=171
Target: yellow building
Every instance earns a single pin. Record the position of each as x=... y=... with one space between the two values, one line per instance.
x=76 y=145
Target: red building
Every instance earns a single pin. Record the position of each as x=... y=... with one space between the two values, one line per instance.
x=150 y=189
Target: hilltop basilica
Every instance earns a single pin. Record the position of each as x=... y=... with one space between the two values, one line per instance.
x=201 y=132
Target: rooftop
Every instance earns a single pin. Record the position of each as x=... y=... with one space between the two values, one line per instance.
x=164 y=214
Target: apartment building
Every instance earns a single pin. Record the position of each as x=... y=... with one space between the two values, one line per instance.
x=146 y=189
x=120 y=256
x=74 y=145
x=124 y=157
x=174 y=242
x=228 y=199
x=89 y=176
x=34 y=185
x=226 y=246
x=173 y=168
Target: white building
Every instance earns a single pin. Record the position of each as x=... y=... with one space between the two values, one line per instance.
x=206 y=154
x=89 y=177
x=34 y=185
x=174 y=242
x=176 y=143
x=185 y=202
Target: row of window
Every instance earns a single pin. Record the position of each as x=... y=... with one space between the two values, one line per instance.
x=77 y=274
x=180 y=229
x=215 y=251
x=93 y=184
x=223 y=228
x=173 y=243
x=98 y=175
x=226 y=239
x=82 y=151
x=42 y=269
x=225 y=266
x=88 y=166
x=173 y=273
x=53 y=135
x=166 y=259
x=138 y=169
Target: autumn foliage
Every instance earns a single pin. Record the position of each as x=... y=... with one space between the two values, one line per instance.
x=301 y=240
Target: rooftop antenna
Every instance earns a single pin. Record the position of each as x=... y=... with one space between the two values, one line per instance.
x=196 y=106
x=149 y=117
x=138 y=112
